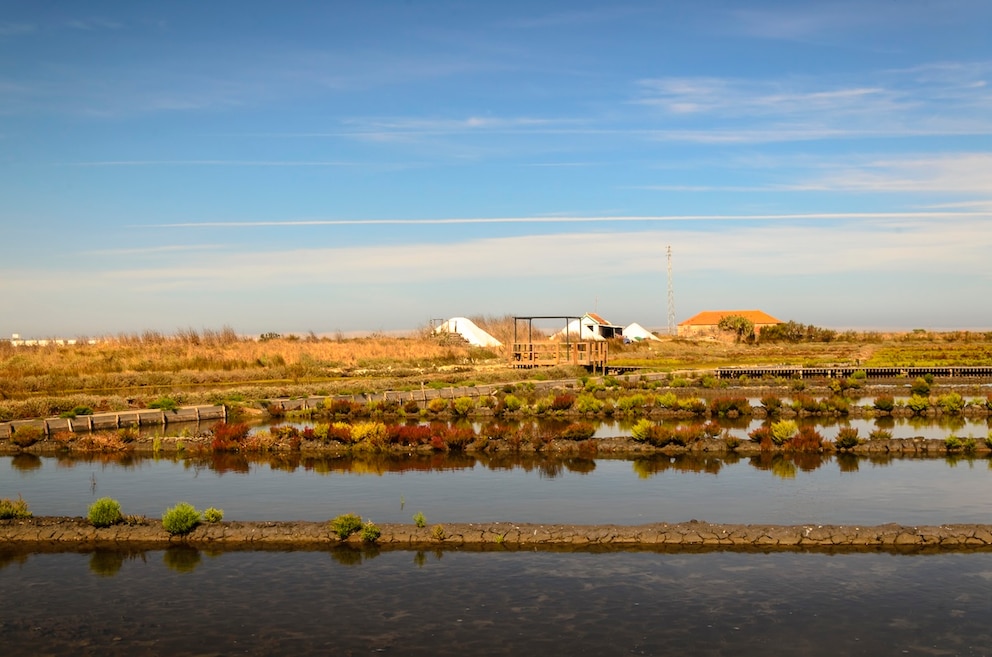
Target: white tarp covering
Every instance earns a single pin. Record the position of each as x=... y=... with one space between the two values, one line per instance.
x=466 y=328
x=635 y=332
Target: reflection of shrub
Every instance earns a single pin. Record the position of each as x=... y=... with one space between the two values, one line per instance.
x=13 y=509
x=847 y=438
x=180 y=519
x=105 y=512
x=346 y=524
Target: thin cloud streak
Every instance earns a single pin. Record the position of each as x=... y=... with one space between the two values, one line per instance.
x=813 y=216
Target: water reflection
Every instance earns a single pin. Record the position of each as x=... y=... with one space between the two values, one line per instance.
x=498 y=603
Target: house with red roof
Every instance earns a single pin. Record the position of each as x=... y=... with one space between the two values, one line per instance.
x=707 y=323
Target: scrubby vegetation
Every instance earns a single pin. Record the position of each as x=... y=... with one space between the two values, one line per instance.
x=181 y=519
x=14 y=509
x=105 y=512
x=345 y=525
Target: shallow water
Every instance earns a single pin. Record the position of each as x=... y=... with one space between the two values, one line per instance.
x=772 y=489
x=183 y=602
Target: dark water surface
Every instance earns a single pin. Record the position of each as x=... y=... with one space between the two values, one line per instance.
x=771 y=489
x=504 y=603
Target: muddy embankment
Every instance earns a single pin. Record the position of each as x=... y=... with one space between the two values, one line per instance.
x=70 y=534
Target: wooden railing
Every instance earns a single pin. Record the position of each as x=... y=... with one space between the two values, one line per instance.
x=591 y=354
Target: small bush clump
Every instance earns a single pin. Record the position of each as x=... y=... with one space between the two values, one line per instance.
x=14 y=509
x=180 y=519
x=105 y=512
x=212 y=515
x=370 y=532
x=847 y=438
x=26 y=435
x=345 y=525
x=884 y=403
x=419 y=519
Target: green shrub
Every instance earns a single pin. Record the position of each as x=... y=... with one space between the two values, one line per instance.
x=884 y=403
x=14 y=509
x=918 y=404
x=438 y=533
x=437 y=405
x=512 y=403
x=847 y=438
x=345 y=525
x=668 y=400
x=587 y=403
x=952 y=442
x=180 y=519
x=641 y=431
x=105 y=512
x=77 y=411
x=370 y=532
x=951 y=403
x=212 y=515
x=372 y=433
x=783 y=431
x=462 y=406
x=920 y=387
x=631 y=402
x=164 y=404
x=419 y=519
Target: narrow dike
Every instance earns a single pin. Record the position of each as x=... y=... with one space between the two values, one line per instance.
x=73 y=533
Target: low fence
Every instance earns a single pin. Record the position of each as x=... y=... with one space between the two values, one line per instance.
x=843 y=372
x=117 y=419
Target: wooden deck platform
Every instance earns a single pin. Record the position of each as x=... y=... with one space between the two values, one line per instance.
x=591 y=354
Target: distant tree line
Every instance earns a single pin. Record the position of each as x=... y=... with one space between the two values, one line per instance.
x=795 y=332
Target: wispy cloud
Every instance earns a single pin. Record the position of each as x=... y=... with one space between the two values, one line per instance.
x=92 y=24
x=214 y=163
x=969 y=173
x=16 y=29
x=867 y=245
x=553 y=219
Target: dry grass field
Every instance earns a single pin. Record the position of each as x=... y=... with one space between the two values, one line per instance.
x=218 y=366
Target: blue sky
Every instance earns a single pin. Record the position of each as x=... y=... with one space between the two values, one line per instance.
x=346 y=166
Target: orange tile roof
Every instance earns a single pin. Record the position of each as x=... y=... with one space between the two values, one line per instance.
x=598 y=319
x=713 y=317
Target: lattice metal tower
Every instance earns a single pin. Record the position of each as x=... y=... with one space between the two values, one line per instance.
x=671 y=295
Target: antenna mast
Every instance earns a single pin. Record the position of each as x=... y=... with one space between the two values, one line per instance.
x=671 y=295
